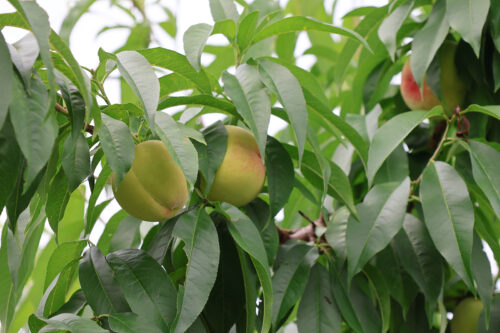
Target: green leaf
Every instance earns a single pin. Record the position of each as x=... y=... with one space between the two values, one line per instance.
x=356 y=307
x=223 y=10
x=99 y=285
x=280 y=175
x=62 y=255
x=419 y=257
x=179 y=146
x=118 y=146
x=391 y=134
x=160 y=243
x=286 y=87
x=252 y=102
x=131 y=323
x=72 y=323
x=180 y=65
x=6 y=72
x=34 y=124
x=290 y=279
x=57 y=200
x=194 y=39
x=75 y=13
x=137 y=71
x=336 y=233
x=225 y=27
x=145 y=285
x=248 y=239
x=390 y=26
x=109 y=231
x=23 y=54
x=39 y=22
x=428 y=40
x=127 y=235
x=494 y=324
x=468 y=17
x=380 y=218
x=202 y=249
x=9 y=163
x=56 y=293
x=76 y=160
x=226 y=303
x=317 y=311
x=395 y=168
x=449 y=216
x=481 y=271
x=211 y=156
x=485 y=161
x=93 y=210
x=489 y=110
x=300 y=23
x=246 y=30
x=74 y=102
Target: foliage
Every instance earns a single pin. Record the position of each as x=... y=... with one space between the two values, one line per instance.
x=373 y=218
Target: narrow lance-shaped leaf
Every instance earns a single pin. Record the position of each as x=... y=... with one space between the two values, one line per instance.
x=280 y=175
x=131 y=323
x=428 y=40
x=251 y=100
x=467 y=17
x=179 y=146
x=223 y=10
x=34 y=124
x=419 y=257
x=287 y=88
x=99 y=285
x=72 y=323
x=139 y=74
x=317 y=310
x=247 y=237
x=290 y=279
x=198 y=232
x=449 y=216
x=118 y=145
x=389 y=28
x=481 y=271
x=194 y=39
x=380 y=218
x=391 y=134
x=62 y=255
x=6 y=73
x=300 y=23
x=76 y=160
x=145 y=285
x=485 y=161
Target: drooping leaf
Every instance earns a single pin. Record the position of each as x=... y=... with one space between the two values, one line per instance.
x=428 y=40
x=76 y=11
x=194 y=39
x=413 y=245
x=468 y=17
x=180 y=147
x=251 y=100
x=10 y=163
x=57 y=200
x=481 y=272
x=280 y=175
x=118 y=146
x=485 y=160
x=6 y=72
x=198 y=232
x=317 y=310
x=389 y=28
x=76 y=160
x=62 y=255
x=72 y=323
x=223 y=10
x=99 y=285
x=380 y=218
x=449 y=216
x=290 y=279
x=247 y=237
x=145 y=285
x=287 y=88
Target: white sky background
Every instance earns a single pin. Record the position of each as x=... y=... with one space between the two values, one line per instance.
x=84 y=45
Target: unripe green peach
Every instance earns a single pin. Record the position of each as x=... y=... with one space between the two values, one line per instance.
x=466 y=316
x=452 y=87
x=154 y=189
x=241 y=175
